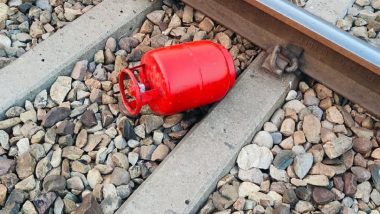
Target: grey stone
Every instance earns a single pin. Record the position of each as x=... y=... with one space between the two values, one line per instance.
x=44 y=201
x=55 y=115
x=375 y=172
x=75 y=183
x=54 y=183
x=120 y=176
x=337 y=146
x=283 y=159
x=302 y=164
x=277 y=137
x=124 y=191
x=6 y=166
x=151 y=122
x=278 y=117
x=111 y=200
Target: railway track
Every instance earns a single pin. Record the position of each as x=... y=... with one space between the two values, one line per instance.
x=346 y=64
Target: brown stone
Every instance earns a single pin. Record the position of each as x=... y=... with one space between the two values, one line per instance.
x=299 y=137
x=322 y=91
x=312 y=128
x=281 y=209
x=326 y=103
x=350 y=184
x=96 y=95
x=339 y=183
x=66 y=127
x=89 y=205
x=362 y=145
x=224 y=40
x=338 y=146
x=333 y=115
x=55 y=115
x=303 y=193
x=207 y=24
x=320 y=168
x=278 y=187
x=348 y=158
x=362 y=174
x=348 y=121
x=327 y=135
x=290 y=197
x=3 y=194
x=6 y=166
x=363 y=132
x=79 y=70
x=322 y=195
x=376 y=153
x=107 y=118
x=81 y=139
x=25 y=165
x=318 y=152
x=360 y=161
x=72 y=152
x=88 y=119
x=9 y=180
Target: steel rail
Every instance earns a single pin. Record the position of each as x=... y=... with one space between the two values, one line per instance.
x=333 y=57
x=326 y=33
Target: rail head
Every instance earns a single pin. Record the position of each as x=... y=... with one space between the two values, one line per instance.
x=342 y=42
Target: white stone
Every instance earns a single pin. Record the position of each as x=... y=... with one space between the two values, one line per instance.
x=248 y=188
x=133 y=143
x=56 y=158
x=23 y=146
x=120 y=142
x=157 y=137
x=253 y=155
x=4 y=139
x=94 y=177
x=5 y=42
x=60 y=88
x=292 y=94
x=278 y=174
x=3 y=15
x=133 y=157
x=263 y=138
x=296 y=105
x=270 y=127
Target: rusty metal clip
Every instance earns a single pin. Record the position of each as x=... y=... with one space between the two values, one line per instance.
x=282 y=59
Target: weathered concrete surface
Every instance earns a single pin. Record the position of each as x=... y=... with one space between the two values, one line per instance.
x=39 y=67
x=183 y=181
x=329 y=10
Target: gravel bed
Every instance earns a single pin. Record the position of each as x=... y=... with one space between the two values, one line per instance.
x=318 y=153
x=25 y=23
x=73 y=148
x=363 y=21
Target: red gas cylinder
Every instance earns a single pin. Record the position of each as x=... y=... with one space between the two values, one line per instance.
x=178 y=78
